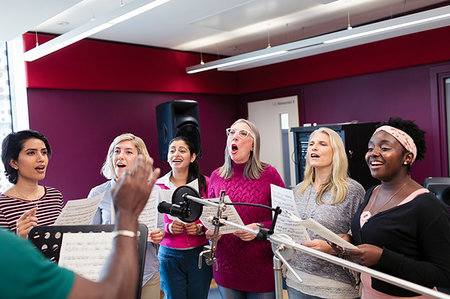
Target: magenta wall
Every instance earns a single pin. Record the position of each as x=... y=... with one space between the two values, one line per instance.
x=373 y=97
x=80 y=125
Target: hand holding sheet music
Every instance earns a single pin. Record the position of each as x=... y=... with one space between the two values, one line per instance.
x=291 y=224
x=322 y=231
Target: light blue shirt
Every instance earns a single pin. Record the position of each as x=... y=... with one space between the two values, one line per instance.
x=103 y=216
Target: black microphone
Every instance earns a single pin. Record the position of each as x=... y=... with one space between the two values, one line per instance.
x=171 y=209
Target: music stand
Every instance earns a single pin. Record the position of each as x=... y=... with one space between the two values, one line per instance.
x=47 y=239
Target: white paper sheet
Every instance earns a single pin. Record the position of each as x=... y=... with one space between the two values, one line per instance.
x=284 y=198
x=232 y=215
x=85 y=253
x=323 y=231
x=79 y=212
x=149 y=215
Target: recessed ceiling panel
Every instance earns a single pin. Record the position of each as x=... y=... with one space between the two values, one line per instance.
x=17 y=17
x=252 y=12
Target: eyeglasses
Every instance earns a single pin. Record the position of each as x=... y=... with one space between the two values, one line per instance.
x=242 y=133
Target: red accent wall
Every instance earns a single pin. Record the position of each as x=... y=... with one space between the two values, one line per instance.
x=97 y=65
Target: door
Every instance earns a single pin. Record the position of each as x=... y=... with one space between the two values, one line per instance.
x=274 y=118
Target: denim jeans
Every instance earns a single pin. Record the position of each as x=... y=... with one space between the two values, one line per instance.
x=294 y=294
x=180 y=276
x=228 y=293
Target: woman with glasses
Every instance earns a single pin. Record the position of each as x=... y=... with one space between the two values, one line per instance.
x=25 y=155
x=244 y=264
x=178 y=255
x=331 y=198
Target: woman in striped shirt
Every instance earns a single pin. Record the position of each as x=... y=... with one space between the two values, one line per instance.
x=25 y=155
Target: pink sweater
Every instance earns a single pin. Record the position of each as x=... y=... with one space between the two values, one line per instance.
x=182 y=240
x=246 y=266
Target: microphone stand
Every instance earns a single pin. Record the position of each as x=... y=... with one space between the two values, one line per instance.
x=284 y=243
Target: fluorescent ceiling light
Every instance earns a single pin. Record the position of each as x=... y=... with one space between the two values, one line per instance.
x=121 y=14
x=388 y=28
x=422 y=21
x=224 y=63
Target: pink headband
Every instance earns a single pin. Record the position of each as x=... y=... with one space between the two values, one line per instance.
x=402 y=137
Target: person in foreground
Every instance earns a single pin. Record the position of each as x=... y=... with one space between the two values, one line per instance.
x=25 y=156
x=330 y=197
x=244 y=264
x=122 y=155
x=31 y=275
x=400 y=228
x=179 y=251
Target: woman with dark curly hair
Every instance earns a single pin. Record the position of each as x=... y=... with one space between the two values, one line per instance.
x=25 y=155
x=400 y=228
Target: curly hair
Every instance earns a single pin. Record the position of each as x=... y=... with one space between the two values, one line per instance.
x=410 y=128
x=11 y=147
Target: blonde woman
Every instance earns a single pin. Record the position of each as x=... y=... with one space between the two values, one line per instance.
x=122 y=155
x=330 y=197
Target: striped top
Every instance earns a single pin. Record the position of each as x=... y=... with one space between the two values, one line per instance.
x=49 y=207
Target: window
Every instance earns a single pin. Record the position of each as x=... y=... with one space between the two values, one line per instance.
x=5 y=107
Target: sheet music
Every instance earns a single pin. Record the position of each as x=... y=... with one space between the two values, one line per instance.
x=232 y=215
x=79 y=212
x=149 y=215
x=284 y=198
x=85 y=253
x=323 y=231
x=166 y=195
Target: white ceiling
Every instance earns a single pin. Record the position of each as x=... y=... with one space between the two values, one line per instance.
x=219 y=27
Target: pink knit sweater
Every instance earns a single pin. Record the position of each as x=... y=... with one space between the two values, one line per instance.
x=246 y=266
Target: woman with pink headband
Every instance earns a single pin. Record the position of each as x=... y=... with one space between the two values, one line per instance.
x=400 y=228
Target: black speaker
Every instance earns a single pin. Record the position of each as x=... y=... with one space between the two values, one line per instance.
x=178 y=118
x=441 y=188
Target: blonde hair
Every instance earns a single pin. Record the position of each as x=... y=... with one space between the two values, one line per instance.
x=254 y=167
x=337 y=182
x=108 y=169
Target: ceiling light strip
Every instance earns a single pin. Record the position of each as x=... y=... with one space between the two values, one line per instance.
x=121 y=14
x=212 y=65
x=389 y=28
x=377 y=31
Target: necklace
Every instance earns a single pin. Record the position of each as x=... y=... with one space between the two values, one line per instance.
x=365 y=216
x=306 y=206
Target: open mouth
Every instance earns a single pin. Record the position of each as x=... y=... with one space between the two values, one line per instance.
x=176 y=161
x=314 y=156
x=375 y=163
x=234 y=148
x=121 y=165
x=40 y=168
